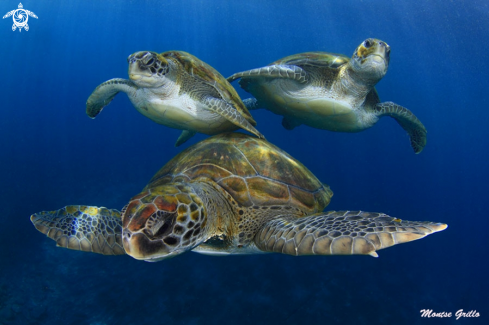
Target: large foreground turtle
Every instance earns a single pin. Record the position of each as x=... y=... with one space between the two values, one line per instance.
x=229 y=194
x=329 y=91
x=178 y=90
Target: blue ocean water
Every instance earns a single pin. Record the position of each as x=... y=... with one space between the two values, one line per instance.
x=53 y=155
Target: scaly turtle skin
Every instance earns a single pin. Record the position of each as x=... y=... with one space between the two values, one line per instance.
x=178 y=90
x=229 y=194
x=329 y=91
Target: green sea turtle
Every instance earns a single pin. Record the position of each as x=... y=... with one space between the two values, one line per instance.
x=229 y=194
x=329 y=91
x=178 y=90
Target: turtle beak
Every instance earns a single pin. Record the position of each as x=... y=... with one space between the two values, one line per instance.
x=371 y=58
x=384 y=51
x=141 y=247
x=140 y=65
x=381 y=54
x=136 y=73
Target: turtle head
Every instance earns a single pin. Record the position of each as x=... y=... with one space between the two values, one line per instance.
x=162 y=222
x=371 y=59
x=147 y=69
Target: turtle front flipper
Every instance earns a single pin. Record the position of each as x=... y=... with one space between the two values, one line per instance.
x=407 y=120
x=83 y=228
x=273 y=71
x=8 y=14
x=230 y=113
x=105 y=92
x=340 y=233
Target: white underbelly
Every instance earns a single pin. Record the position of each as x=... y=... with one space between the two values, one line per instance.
x=224 y=251
x=183 y=112
x=310 y=105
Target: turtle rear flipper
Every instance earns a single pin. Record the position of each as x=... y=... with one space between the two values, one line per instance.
x=408 y=121
x=340 y=233
x=105 y=92
x=184 y=137
x=252 y=103
x=289 y=123
x=230 y=113
x=83 y=228
x=273 y=71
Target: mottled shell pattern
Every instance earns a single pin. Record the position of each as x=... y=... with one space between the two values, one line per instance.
x=253 y=171
x=201 y=70
x=319 y=59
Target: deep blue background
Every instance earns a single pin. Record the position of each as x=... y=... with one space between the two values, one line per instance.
x=52 y=155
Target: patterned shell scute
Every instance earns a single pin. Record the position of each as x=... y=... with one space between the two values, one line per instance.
x=253 y=171
x=199 y=69
x=319 y=59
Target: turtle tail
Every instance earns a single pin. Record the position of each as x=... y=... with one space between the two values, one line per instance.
x=407 y=120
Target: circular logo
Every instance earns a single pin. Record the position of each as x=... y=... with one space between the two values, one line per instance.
x=20 y=18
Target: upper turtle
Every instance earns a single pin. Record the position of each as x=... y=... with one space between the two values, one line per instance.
x=329 y=91
x=229 y=194
x=178 y=90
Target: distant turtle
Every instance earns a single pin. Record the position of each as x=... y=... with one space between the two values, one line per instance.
x=178 y=90
x=229 y=194
x=329 y=91
x=20 y=17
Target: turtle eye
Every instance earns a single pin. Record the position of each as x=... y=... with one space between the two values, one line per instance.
x=148 y=59
x=367 y=43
